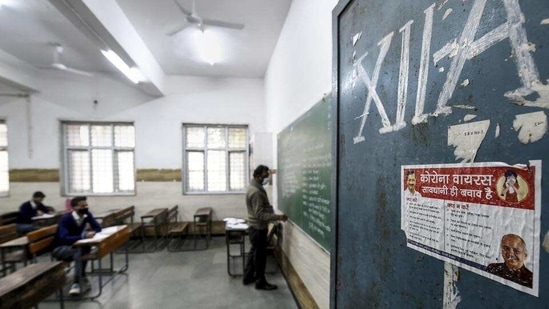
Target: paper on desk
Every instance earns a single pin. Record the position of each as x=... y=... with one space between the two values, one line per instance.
x=234 y=220
x=95 y=238
x=237 y=226
x=108 y=230
x=44 y=216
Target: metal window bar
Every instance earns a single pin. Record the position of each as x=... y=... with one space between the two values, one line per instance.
x=121 y=139
x=233 y=143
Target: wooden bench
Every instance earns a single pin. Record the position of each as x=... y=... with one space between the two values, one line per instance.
x=175 y=228
x=8 y=217
x=8 y=232
x=203 y=224
x=26 y=248
x=40 y=240
x=27 y=287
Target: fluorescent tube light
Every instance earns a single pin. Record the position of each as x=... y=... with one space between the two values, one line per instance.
x=132 y=74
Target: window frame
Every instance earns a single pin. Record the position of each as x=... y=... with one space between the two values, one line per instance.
x=65 y=185
x=244 y=150
x=6 y=149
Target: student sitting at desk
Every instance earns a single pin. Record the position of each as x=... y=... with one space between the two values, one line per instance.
x=70 y=229
x=28 y=210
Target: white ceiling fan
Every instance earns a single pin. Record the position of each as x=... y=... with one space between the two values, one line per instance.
x=56 y=64
x=192 y=19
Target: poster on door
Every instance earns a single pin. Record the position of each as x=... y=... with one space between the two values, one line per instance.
x=484 y=217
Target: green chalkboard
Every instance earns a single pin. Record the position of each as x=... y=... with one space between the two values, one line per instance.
x=304 y=172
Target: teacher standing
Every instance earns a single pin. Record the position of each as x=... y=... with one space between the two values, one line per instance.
x=260 y=213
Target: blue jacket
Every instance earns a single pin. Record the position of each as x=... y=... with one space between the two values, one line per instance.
x=69 y=232
x=26 y=212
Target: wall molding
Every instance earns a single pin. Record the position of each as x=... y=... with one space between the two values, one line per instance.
x=34 y=175
x=156 y=174
x=53 y=175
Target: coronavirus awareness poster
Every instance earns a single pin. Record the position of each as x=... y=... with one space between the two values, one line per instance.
x=484 y=217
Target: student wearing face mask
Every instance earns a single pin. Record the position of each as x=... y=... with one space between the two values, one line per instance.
x=70 y=229
x=260 y=213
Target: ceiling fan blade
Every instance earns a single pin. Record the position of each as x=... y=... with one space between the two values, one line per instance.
x=178 y=29
x=62 y=67
x=79 y=72
x=182 y=9
x=223 y=24
x=59 y=66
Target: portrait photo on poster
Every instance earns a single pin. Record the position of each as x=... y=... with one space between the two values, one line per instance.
x=514 y=253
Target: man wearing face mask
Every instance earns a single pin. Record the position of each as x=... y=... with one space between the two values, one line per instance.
x=260 y=213
x=70 y=229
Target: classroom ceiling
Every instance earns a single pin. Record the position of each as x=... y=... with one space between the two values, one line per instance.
x=31 y=32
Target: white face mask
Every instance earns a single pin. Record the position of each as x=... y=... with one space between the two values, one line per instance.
x=266 y=181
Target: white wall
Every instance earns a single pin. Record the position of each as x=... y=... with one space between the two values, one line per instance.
x=157 y=121
x=34 y=131
x=299 y=75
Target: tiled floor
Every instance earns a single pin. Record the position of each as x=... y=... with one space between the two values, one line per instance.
x=191 y=279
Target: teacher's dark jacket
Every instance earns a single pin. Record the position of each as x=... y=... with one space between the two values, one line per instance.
x=260 y=211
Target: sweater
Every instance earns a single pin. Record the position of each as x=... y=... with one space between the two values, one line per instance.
x=69 y=231
x=260 y=211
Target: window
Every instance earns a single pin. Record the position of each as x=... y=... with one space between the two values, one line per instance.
x=215 y=158
x=99 y=158
x=4 y=170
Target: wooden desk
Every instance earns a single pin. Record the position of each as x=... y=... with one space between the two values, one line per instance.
x=25 y=288
x=14 y=251
x=104 y=214
x=107 y=218
x=106 y=242
x=7 y=233
x=235 y=235
x=203 y=223
x=47 y=219
x=157 y=217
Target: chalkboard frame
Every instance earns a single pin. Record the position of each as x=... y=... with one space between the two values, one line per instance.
x=298 y=219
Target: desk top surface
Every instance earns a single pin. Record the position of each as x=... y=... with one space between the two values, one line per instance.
x=236 y=226
x=17 y=242
x=26 y=274
x=49 y=215
x=206 y=211
x=154 y=212
x=105 y=234
x=104 y=214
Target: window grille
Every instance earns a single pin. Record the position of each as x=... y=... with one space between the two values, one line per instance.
x=216 y=157
x=99 y=158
